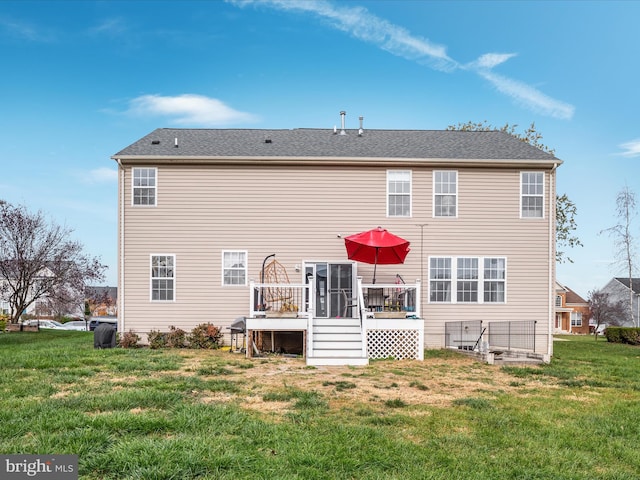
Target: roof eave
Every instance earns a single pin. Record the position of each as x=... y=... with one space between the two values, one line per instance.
x=341 y=161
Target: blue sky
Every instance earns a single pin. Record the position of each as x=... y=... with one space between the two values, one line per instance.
x=82 y=79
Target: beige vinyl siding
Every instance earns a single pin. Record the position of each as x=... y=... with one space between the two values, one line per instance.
x=298 y=212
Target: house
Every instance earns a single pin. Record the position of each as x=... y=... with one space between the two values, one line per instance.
x=202 y=211
x=102 y=300
x=572 y=312
x=621 y=289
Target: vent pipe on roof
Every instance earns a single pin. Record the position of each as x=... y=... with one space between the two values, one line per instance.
x=342 y=115
x=360 y=130
x=175 y=142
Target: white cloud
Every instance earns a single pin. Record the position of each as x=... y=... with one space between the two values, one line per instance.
x=23 y=31
x=631 y=149
x=358 y=22
x=528 y=96
x=490 y=60
x=189 y=109
x=99 y=175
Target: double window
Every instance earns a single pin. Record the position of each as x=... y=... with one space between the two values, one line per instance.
x=234 y=268
x=467 y=279
x=445 y=193
x=144 y=186
x=532 y=194
x=163 y=274
x=576 y=319
x=398 y=193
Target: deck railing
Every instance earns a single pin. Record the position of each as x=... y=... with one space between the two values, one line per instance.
x=279 y=299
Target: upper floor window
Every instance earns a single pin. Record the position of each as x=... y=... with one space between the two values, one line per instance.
x=163 y=277
x=399 y=193
x=558 y=300
x=234 y=268
x=144 y=186
x=532 y=194
x=445 y=193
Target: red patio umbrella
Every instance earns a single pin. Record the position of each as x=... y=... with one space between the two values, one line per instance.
x=377 y=246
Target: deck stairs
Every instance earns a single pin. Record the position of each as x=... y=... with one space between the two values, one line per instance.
x=337 y=341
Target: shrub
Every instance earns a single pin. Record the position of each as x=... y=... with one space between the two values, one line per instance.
x=176 y=338
x=129 y=339
x=206 y=336
x=628 y=335
x=157 y=339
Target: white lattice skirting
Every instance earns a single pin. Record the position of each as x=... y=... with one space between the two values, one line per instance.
x=398 y=344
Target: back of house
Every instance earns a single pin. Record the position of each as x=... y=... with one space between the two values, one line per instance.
x=202 y=210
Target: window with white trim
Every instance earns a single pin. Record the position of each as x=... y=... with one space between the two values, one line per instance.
x=234 y=267
x=494 y=280
x=558 y=300
x=144 y=186
x=445 y=193
x=440 y=279
x=467 y=280
x=475 y=279
x=532 y=194
x=398 y=193
x=163 y=275
x=576 y=319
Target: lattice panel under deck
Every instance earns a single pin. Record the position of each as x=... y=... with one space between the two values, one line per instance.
x=398 y=344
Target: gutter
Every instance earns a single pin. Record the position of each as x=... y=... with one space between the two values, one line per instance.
x=121 y=246
x=552 y=259
x=335 y=161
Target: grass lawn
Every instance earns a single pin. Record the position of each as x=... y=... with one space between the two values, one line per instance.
x=183 y=414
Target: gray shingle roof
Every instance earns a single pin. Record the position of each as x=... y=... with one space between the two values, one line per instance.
x=304 y=142
x=625 y=282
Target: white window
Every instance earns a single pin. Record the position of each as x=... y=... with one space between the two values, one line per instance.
x=398 y=193
x=144 y=186
x=471 y=283
x=440 y=279
x=494 y=280
x=532 y=194
x=576 y=319
x=467 y=280
x=445 y=193
x=558 y=300
x=163 y=275
x=234 y=268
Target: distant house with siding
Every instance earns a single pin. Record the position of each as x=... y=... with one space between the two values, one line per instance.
x=623 y=290
x=201 y=209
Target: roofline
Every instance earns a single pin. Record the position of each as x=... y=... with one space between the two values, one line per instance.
x=341 y=161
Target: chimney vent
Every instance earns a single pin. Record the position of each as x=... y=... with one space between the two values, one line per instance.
x=175 y=142
x=342 y=115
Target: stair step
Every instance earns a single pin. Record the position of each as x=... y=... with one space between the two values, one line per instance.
x=337 y=321
x=337 y=352
x=335 y=329
x=337 y=345
x=337 y=361
x=337 y=336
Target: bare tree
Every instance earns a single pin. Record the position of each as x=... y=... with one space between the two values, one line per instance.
x=624 y=242
x=39 y=261
x=605 y=311
x=566 y=210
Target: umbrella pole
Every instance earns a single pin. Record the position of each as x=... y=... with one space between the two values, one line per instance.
x=375 y=265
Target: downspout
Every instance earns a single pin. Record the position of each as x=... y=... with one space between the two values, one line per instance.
x=121 y=247
x=552 y=259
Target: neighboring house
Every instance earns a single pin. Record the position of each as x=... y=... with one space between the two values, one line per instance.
x=201 y=209
x=572 y=311
x=103 y=301
x=619 y=290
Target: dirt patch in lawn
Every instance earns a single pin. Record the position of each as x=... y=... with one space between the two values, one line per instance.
x=434 y=381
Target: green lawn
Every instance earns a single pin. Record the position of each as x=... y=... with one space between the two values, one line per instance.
x=178 y=414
